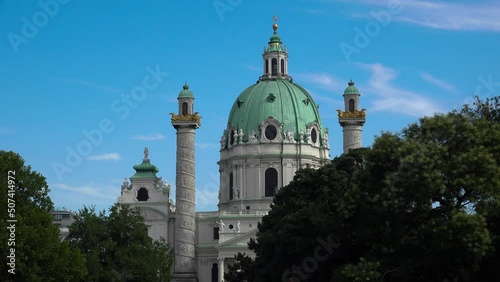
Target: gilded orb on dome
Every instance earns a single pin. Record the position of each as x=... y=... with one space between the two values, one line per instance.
x=275 y=25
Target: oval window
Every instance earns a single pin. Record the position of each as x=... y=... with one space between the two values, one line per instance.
x=271 y=132
x=314 y=135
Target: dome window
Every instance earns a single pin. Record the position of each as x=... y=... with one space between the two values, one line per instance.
x=274 y=67
x=314 y=135
x=267 y=66
x=231 y=138
x=271 y=98
x=184 y=108
x=239 y=103
x=142 y=195
x=282 y=67
x=271 y=132
x=271 y=185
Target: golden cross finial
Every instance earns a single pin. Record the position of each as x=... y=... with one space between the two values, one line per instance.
x=275 y=25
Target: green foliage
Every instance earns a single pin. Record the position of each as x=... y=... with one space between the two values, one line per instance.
x=40 y=254
x=309 y=218
x=420 y=205
x=362 y=271
x=241 y=270
x=118 y=248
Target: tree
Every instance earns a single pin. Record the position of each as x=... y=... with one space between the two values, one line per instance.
x=241 y=270
x=419 y=205
x=39 y=253
x=306 y=232
x=363 y=271
x=117 y=247
x=488 y=111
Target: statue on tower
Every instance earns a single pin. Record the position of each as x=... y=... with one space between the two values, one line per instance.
x=146 y=152
x=125 y=184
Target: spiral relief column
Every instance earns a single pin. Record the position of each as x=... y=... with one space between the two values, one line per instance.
x=186 y=122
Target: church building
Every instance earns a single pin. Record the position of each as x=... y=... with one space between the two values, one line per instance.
x=274 y=128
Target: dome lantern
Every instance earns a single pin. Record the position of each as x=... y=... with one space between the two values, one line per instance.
x=275 y=57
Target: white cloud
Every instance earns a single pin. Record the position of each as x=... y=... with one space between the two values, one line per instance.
x=328 y=100
x=253 y=68
x=151 y=137
x=88 y=84
x=438 y=82
x=92 y=191
x=394 y=99
x=105 y=157
x=207 y=145
x=325 y=81
x=444 y=15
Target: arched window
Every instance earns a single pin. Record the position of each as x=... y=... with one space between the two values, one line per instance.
x=215 y=272
x=231 y=192
x=184 y=108
x=282 y=67
x=271 y=182
x=231 y=138
x=274 y=66
x=267 y=66
x=142 y=195
x=351 y=105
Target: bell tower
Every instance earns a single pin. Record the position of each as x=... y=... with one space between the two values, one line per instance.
x=186 y=122
x=352 y=119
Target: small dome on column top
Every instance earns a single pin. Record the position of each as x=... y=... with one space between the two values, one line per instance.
x=351 y=89
x=186 y=93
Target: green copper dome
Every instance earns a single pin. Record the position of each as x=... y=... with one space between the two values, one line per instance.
x=275 y=38
x=186 y=93
x=145 y=170
x=285 y=101
x=351 y=89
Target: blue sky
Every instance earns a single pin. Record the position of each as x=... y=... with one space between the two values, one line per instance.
x=67 y=68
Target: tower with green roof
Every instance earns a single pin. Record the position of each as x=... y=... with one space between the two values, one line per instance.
x=185 y=123
x=151 y=194
x=352 y=119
